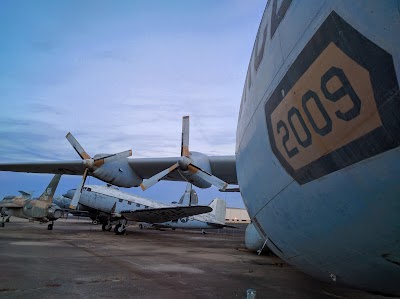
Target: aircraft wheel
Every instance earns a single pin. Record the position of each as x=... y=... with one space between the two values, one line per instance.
x=173 y=228
x=50 y=227
x=95 y=221
x=106 y=227
x=118 y=230
x=2 y=224
x=8 y=220
x=141 y=226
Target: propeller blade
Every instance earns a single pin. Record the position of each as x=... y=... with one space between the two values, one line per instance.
x=185 y=137
x=78 y=192
x=124 y=154
x=78 y=148
x=157 y=177
x=213 y=180
x=110 y=158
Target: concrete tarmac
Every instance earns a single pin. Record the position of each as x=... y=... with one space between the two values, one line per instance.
x=78 y=260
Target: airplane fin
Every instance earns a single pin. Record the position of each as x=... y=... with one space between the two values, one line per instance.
x=48 y=193
x=189 y=198
x=219 y=210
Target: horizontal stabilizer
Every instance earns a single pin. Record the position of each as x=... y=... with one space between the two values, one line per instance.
x=164 y=214
x=26 y=194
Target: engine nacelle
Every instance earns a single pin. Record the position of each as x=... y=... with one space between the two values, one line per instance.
x=54 y=212
x=253 y=239
x=201 y=161
x=118 y=173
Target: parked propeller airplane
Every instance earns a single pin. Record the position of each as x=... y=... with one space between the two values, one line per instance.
x=109 y=206
x=43 y=209
x=317 y=143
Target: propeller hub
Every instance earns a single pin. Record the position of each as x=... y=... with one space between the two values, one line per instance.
x=184 y=162
x=89 y=163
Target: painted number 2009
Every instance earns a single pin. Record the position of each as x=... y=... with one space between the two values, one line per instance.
x=326 y=128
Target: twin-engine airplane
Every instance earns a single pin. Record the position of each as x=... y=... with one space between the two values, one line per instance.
x=43 y=209
x=110 y=206
x=317 y=142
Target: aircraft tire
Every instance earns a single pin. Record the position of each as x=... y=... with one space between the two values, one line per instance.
x=50 y=227
x=8 y=220
x=116 y=229
x=141 y=226
x=2 y=224
x=106 y=227
x=95 y=222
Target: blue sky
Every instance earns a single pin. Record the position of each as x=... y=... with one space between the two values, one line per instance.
x=120 y=75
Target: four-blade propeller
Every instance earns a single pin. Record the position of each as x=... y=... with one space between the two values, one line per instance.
x=184 y=164
x=91 y=165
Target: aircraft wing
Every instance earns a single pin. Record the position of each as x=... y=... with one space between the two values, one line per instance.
x=164 y=214
x=56 y=167
x=12 y=205
x=223 y=167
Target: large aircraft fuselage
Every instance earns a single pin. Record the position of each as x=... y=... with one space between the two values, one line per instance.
x=318 y=139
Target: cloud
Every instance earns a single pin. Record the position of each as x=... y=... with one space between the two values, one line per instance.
x=122 y=76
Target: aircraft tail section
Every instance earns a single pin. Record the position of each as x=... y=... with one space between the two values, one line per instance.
x=189 y=198
x=48 y=193
x=219 y=210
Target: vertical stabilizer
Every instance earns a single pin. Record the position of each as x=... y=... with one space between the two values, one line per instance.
x=189 y=198
x=219 y=210
x=48 y=193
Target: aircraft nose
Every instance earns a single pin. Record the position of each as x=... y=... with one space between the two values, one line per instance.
x=70 y=193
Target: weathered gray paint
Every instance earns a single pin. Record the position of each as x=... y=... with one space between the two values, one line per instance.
x=345 y=223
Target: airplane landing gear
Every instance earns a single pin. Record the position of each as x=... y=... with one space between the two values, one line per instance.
x=106 y=227
x=120 y=228
x=50 y=226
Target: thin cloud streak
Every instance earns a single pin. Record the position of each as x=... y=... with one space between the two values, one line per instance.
x=122 y=76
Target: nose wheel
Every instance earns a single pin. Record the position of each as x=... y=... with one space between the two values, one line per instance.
x=50 y=226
